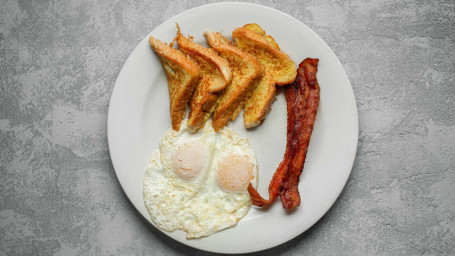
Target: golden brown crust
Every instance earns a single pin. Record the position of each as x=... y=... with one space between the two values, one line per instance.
x=207 y=60
x=278 y=70
x=273 y=60
x=245 y=69
x=202 y=105
x=260 y=102
x=215 y=76
x=182 y=76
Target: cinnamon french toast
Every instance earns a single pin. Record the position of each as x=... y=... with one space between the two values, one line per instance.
x=215 y=76
x=245 y=70
x=182 y=76
x=279 y=69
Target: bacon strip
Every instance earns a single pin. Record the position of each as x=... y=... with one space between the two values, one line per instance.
x=302 y=97
x=289 y=193
x=279 y=174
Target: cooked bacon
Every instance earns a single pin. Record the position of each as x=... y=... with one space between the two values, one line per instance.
x=289 y=192
x=275 y=183
x=302 y=98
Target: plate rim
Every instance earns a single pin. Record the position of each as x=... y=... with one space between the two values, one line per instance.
x=338 y=63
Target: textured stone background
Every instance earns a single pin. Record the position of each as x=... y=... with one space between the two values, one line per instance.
x=58 y=64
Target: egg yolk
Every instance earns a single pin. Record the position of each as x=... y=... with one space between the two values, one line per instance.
x=188 y=160
x=235 y=173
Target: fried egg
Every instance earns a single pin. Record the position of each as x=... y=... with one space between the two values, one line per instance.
x=197 y=182
x=186 y=156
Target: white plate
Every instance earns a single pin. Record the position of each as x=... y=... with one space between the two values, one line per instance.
x=139 y=117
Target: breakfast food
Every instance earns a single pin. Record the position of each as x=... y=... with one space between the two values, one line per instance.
x=245 y=70
x=215 y=76
x=197 y=182
x=278 y=70
x=182 y=76
x=203 y=178
x=302 y=97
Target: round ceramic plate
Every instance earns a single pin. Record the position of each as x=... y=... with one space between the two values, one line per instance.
x=139 y=117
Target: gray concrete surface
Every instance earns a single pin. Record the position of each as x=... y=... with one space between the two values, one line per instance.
x=58 y=64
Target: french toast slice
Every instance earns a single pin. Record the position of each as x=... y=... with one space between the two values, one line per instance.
x=279 y=69
x=215 y=76
x=245 y=70
x=182 y=75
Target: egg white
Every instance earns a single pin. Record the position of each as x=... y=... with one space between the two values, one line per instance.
x=173 y=139
x=200 y=206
